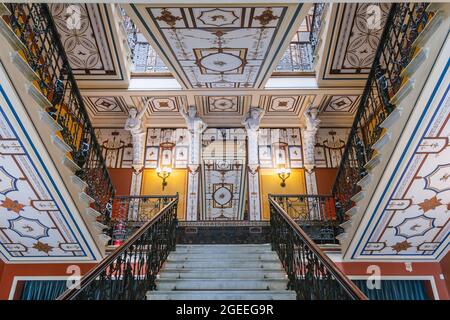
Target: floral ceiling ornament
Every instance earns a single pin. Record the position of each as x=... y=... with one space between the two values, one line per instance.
x=266 y=17
x=168 y=18
x=401 y=246
x=12 y=205
x=43 y=247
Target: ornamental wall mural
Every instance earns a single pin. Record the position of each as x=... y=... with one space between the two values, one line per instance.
x=330 y=145
x=167 y=148
x=117 y=147
x=33 y=223
x=416 y=220
x=280 y=148
x=224 y=47
x=223 y=174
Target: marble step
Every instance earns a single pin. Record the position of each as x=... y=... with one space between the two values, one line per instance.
x=231 y=263
x=221 y=295
x=223 y=274
x=239 y=248
x=178 y=256
x=221 y=284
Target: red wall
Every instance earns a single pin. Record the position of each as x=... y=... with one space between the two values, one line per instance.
x=398 y=269
x=9 y=271
x=325 y=178
x=121 y=179
x=445 y=266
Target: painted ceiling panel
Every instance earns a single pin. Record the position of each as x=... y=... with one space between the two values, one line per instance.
x=351 y=50
x=92 y=48
x=415 y=222
x=35 y=221
x=223 y=47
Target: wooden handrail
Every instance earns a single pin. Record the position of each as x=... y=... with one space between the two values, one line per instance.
x=347 y=284
x=95 y=272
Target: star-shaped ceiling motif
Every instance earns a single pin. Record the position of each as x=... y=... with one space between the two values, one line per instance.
x=401 y=246
x=430 y=204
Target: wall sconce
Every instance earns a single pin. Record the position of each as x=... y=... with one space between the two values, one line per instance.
x=164 y=174
x=283 y=174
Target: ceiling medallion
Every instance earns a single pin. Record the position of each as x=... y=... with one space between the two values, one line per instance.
x=266 y=17
x=221 y=62
x=168 y=18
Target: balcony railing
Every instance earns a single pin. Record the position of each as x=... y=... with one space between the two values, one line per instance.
x=42 y=49
x=310 y=272
x=315 y=214
x=129 y=213
x=131 y=270
x=404 y=23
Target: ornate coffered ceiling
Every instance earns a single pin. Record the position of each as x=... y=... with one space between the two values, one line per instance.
x=94 y=47
x=219 y=47
x=350 y=43
x=283 y=108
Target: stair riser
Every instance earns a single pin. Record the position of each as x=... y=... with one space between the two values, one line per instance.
x=155 y=295
x=224 y=264
x=186 y=285
x=223 y=251
x=223 y=275
x=214 y=256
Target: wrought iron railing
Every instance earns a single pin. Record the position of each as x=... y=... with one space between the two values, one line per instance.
x=131 y=270
x=404 y=23
x=144 y=57
x=129 y=213
x=316 y=25
x=315 y=214
x=42 y=49
x=310 y=272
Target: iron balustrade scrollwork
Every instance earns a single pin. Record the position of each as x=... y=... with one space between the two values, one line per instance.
x=310 y=272
x=316 y=24
x=315 y=214
x=42 y=49
x=129 y=213
x=130 y=271
x=403 y=25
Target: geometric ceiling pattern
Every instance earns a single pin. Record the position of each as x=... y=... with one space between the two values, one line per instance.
x=161 y=106
x=106 y=106
x=281 y=106
x=336 y=105
x=224 y=47
x=415 y=221
x=353 y=43
x=34 y=224
x=90 y=46
x=223 y=106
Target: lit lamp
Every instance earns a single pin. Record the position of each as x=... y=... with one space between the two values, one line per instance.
x=283 y=174
x=164 y=173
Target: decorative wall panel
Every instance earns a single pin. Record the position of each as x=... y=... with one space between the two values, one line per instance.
x=330 y=145
x=35 y=222
x=223 y=174
x=117 y=147
x=176 y=157
x=280 y=148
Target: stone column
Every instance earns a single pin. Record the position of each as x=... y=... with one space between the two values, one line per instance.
x=251 y=122
x=195 y=126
